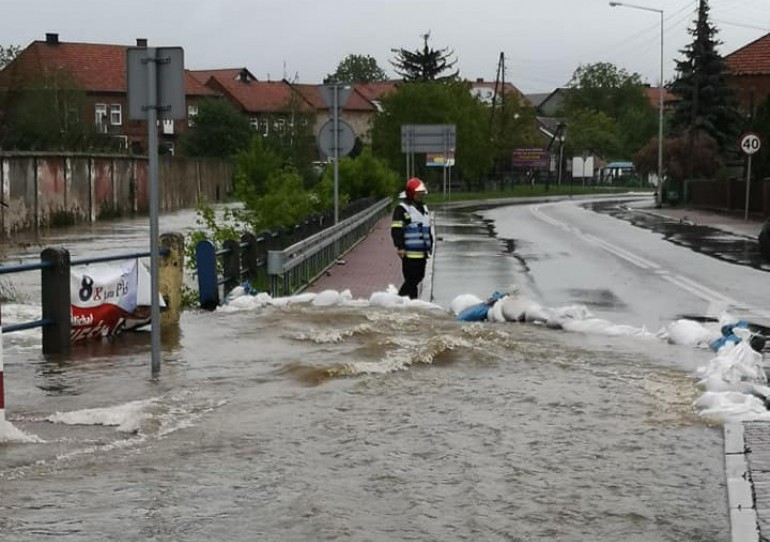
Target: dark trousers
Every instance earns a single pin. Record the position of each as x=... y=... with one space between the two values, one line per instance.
x=414 y=271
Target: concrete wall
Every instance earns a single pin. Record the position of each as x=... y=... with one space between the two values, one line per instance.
x=42 y=190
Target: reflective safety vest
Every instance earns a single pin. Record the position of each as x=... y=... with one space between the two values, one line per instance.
x=416 y=232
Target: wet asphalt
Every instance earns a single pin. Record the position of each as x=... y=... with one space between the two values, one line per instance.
x=729 y=247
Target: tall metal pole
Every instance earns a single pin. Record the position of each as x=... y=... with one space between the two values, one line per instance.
x=660 y=87
x=152 y=152
x=660 y=110
x=336 y=154
x=748 y=184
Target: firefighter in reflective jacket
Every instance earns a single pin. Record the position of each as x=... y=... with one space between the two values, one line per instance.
x=412 y=236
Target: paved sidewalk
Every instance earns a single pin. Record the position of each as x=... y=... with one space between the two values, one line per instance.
x=370 y=266
x=732 y=223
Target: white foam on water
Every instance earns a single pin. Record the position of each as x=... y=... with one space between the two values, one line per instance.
x=10 y=433
x=127 y=417
x=733 y=381
x=404 y=357
x=330 y=336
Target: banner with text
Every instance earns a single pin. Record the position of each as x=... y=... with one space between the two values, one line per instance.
x=529 y=158
x=103 y=297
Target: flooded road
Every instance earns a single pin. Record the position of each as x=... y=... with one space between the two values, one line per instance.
x=357 y=421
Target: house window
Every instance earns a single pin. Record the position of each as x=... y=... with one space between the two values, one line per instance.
x=254 y=123
x=168 y=126
x=192 y=112
x=279 y=125
x=101 y=118
x=116 y=114
x=264 y=126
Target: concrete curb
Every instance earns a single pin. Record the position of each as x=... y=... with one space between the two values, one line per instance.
x=740 y=495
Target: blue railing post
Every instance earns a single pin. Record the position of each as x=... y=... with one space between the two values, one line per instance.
x=56 y=300
x=208 y=284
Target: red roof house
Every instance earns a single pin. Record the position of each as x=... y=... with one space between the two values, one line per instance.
x=100 y=71
x=749 y=72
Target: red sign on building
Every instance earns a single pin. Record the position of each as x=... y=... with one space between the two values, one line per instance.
x=529 y=158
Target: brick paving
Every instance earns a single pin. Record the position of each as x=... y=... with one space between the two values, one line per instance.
x=370 y=266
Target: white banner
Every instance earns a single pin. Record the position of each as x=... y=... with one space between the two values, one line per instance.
x=103 y=297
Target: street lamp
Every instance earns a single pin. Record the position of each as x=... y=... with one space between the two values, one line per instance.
x=660 y=89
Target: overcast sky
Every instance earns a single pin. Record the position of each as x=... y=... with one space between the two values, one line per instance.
x=544 y=41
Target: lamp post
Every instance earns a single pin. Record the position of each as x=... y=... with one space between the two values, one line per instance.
x=660 y=89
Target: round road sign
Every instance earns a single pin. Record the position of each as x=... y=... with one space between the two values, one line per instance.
x=750 y=143
x=346 y=141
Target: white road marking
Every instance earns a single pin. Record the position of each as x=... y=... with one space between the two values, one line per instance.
x=700 y=291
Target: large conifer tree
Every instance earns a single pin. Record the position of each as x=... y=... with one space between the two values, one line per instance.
x=705 y=102
x=424 y=65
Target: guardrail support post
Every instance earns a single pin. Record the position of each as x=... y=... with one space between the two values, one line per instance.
x=56 y=300
x=275 y=259
x=231 y=264
x=250 y=254
x=170 y=277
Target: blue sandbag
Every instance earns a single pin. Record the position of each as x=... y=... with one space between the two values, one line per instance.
x=728 y=336
x=478 y=313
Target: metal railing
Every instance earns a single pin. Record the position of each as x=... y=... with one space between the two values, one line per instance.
x=283 y=271
x=55 y=265
x=293 y=268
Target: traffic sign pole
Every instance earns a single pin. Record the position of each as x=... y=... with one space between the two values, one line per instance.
x=748 y=183
x=155 y=84
x=750 y=143
x=152 y=151
x=336 y=154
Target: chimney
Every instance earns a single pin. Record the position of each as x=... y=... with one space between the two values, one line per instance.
x=141 y=42
x=479 y=79
x=52 y=39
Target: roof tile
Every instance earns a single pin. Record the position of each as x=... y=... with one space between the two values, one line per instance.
x=751 y=59
x=95 y=67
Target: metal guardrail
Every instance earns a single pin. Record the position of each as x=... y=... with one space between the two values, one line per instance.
x=295 y=267
x=286 y=270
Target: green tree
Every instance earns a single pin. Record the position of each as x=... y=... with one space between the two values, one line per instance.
x=7 y=54
x=591 y=131
x=360 y=177
x=46 y=114
x=357 y=69
x=605 y=103
x=705 y=102
x=423 y=65
x=284 y=203
x=220 y=130
x=436 y=103
x=605 y=88
x=254 y=166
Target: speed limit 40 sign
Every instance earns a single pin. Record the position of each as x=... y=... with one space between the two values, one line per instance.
x=750 y=143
